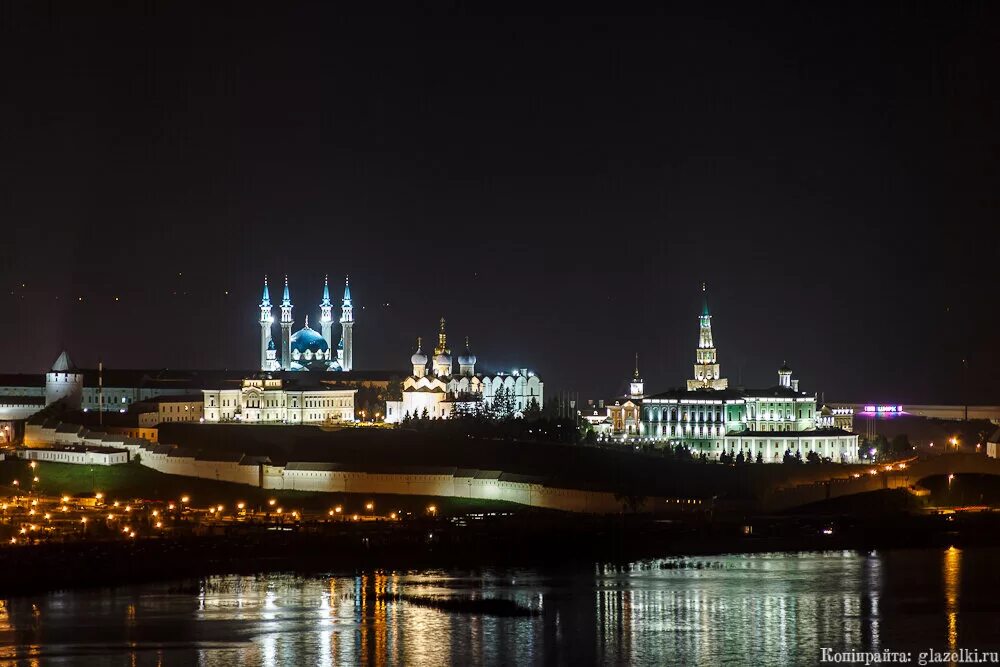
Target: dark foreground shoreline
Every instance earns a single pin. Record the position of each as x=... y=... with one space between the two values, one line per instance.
x=442 y=544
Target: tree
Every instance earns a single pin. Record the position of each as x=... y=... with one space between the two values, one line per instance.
x=900 y=445
x=425 y=416
x=533 y=412
x=813 y=457
x=740 y=459
x=394 y=390
x=407 y=420
x=760 y=457
x=503 y=405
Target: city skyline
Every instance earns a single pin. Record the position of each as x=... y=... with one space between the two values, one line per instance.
x=569 y=183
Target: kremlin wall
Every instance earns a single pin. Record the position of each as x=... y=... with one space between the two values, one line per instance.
x=258 y=471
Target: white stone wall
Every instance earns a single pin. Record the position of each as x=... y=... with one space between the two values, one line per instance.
x=336 y=481
x=80 y=458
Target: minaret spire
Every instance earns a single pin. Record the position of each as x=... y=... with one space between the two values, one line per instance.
x=326 y=314
x=347 y=327
x=286 y=328
x=266 y=320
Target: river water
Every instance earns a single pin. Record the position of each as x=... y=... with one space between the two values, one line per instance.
x=763 y=609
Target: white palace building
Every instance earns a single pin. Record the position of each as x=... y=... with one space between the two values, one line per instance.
x=267 y=399
x=710 y=417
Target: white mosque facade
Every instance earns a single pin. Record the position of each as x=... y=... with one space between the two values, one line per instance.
x=306 y=349
x=437 y=391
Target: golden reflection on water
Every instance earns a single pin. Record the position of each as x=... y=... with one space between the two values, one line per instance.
x=952 y=570
x=771 y=608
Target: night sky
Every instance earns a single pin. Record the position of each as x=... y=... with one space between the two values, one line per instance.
x=556 y=187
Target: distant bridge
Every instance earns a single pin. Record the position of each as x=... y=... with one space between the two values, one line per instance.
x=849 y=480
x=955 y=412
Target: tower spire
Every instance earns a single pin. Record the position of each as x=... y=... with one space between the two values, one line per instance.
x=442 y=347
x=635 y=387
x=706 y=367
x=326 y=314
x=265 y=299
x=286 y=328
x=266 y=320
x=347 y=327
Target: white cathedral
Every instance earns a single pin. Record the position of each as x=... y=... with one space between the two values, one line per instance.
x=441 y=392
x=307 y=349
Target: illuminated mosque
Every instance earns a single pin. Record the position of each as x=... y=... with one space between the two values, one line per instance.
x=307 y=349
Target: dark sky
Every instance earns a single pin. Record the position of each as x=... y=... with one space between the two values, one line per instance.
x=556 y=186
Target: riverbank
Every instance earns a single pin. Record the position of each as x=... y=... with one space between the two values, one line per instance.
x=462 y=544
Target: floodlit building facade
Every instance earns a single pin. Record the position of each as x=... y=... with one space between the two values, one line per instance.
x=711 y=418
x=270 y=400
x=436 y=388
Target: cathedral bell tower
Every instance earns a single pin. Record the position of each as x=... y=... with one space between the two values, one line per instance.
x=326 y=314
x=286 y=329
x=347 y=326
x=266 y=320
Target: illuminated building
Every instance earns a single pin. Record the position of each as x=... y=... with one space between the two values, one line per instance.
x=711 y=418
x=434 y=386
x=623 y=413
x=993 y=445
x=706 y=367
x=267 y=399
x=307 y=349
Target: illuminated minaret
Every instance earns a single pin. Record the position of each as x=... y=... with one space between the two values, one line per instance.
x=347 y=326
x=286 y=329
x=266 y=320
x=326 y=314
x=706 y=367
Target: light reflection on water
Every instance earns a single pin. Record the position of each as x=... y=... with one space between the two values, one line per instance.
x=767 y=609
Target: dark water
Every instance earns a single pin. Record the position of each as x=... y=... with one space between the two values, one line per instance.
x=752 y=609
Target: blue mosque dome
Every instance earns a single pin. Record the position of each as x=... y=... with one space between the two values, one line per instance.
x=306 y=339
